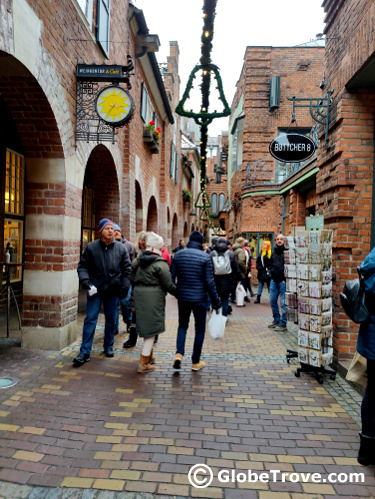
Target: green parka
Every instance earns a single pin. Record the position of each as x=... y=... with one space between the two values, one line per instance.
x=151 y=280
x=240 y=255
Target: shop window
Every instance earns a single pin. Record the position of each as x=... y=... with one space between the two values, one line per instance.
x=14 y=211
x=256 y=240
x=176 y=168
x=88 y=217
x=286 y=214
x=214 y=204
x=102 y=35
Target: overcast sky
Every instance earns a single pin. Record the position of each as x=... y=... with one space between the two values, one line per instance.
x=238 y=24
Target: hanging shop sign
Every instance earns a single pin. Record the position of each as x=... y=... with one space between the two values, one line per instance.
x=292 y=148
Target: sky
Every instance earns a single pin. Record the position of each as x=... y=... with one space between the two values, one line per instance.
x=238 y=24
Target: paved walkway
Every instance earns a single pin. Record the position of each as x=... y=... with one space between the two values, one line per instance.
x=104 y=431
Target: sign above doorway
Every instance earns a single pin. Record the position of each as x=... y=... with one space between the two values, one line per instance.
x=292 y=148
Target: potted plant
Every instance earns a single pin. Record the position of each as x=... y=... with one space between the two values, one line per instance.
x=186 y=194
x=151 y=135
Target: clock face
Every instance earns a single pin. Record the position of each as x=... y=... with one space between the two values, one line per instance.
x=114 y=105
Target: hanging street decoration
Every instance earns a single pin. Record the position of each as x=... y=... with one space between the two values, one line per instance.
x=205 y=116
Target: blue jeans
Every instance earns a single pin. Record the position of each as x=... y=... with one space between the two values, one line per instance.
x=224 y=305
x=199 y=311
x=94 y=304
x=277 y=289
x=125 y=310
x=260 y=287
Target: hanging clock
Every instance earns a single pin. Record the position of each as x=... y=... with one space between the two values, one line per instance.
x=114 y=106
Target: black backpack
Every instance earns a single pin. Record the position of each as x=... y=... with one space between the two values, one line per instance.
x=353 y=300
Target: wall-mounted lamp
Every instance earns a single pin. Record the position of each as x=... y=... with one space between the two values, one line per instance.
x=193 y=213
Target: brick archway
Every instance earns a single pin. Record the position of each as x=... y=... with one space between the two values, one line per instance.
x=138 y=208
x=152 y=216
x=175 y=235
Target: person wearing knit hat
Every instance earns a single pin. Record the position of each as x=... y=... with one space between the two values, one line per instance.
x=193 y=270
x=103 y=270
x=151 y=281
x=263 y=265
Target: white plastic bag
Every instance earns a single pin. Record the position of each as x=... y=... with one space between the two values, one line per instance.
x=216 y=324
x=240 y=295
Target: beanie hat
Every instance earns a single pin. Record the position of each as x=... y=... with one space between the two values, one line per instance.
x=154 y=241
x=117 y=227
x=104 y=222
x=196 y=236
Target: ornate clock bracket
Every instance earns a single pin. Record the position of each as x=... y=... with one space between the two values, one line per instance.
x=91 y=80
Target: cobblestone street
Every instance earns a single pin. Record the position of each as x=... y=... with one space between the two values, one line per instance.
x=104 y=431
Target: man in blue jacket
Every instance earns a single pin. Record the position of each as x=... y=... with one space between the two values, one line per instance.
x=104 y=271
x=195 y=277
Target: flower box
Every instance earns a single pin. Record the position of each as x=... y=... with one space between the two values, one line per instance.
x=150 y=140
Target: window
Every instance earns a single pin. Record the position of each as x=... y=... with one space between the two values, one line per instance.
x=286 y=213
x=14 y=210
x=221 y=201
x=102 y=34
x=176 y=170
x=256 y=240
x=237 y=145
x=144 y=104
x=86 y=7
x=173 y=158
x=214 y=204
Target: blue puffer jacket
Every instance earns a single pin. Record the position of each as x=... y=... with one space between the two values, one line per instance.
x=366 y=335
x=195 y=275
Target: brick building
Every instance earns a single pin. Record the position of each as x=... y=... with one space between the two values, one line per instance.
x=55 y=188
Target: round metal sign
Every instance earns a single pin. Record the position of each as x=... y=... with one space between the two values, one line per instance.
x=292 y=147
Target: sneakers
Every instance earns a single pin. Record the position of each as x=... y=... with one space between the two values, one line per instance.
x=273 y=325
x=108 y=352
x=177 y=361
x=199 y=366
x=81 y=359
x=281 y=329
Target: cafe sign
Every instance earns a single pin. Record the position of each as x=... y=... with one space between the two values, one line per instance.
x=292 y=148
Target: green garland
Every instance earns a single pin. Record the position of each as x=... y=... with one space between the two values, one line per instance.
x=204 y=117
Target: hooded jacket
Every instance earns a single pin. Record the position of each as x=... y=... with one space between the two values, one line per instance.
x=241 y=258
x=193 y=270
x=366 y=335
x=277 y=264
x=106 y=266
x=226 y=283
x=151 y=281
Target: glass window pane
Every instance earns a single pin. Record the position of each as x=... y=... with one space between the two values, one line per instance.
x=214 y=203
x=13 y=232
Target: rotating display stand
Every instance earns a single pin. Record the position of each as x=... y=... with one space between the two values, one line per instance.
x=306 y=368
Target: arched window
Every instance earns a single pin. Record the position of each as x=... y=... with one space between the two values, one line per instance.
x=221 y=201
x=214 y=203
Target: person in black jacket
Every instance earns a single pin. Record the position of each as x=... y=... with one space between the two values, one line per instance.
x=195 y=277
x=225 y=283
x=263 y=264
x=181 y=245
x=278 y=285
x=104 y=270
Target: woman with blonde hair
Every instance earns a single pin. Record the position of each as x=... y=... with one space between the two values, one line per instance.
x=263 y=264
x=151 y=280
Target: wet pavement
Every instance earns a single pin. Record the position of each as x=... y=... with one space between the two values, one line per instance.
x=104 y=431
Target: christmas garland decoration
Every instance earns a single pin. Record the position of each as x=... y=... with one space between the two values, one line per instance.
x=204 y=117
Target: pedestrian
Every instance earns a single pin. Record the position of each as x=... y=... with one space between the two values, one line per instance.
x=249 y=255
x=278 y=286
x=241 y=258
x=151 y=279
x=127 y=303
x=181 y=245
x=132 y=340
x=166 y=256
x=263 y=265
x=192 y=268
x=226 y=272
x=103 y=270
x=213 y=242
x=366 y=347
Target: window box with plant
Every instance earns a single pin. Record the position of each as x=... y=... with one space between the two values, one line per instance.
x=151 y=136
x=186 y=194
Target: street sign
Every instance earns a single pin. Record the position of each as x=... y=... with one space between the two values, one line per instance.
x=292 y=147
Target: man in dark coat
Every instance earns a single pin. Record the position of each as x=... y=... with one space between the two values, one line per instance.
x=104 y=270
x=181 y=245
x=194 y=273
x=278 y=286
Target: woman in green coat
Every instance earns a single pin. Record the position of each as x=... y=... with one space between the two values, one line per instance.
x=151 y=280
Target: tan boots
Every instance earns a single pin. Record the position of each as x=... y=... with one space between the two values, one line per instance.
x=145 y=365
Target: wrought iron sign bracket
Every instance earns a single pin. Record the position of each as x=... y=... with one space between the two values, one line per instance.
x=319 y=109
x=92 y=79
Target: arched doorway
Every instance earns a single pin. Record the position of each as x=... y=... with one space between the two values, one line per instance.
x=186 y=230
x=100 y=194
x=138 y=208
x=175 y=235
x=152 y=216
